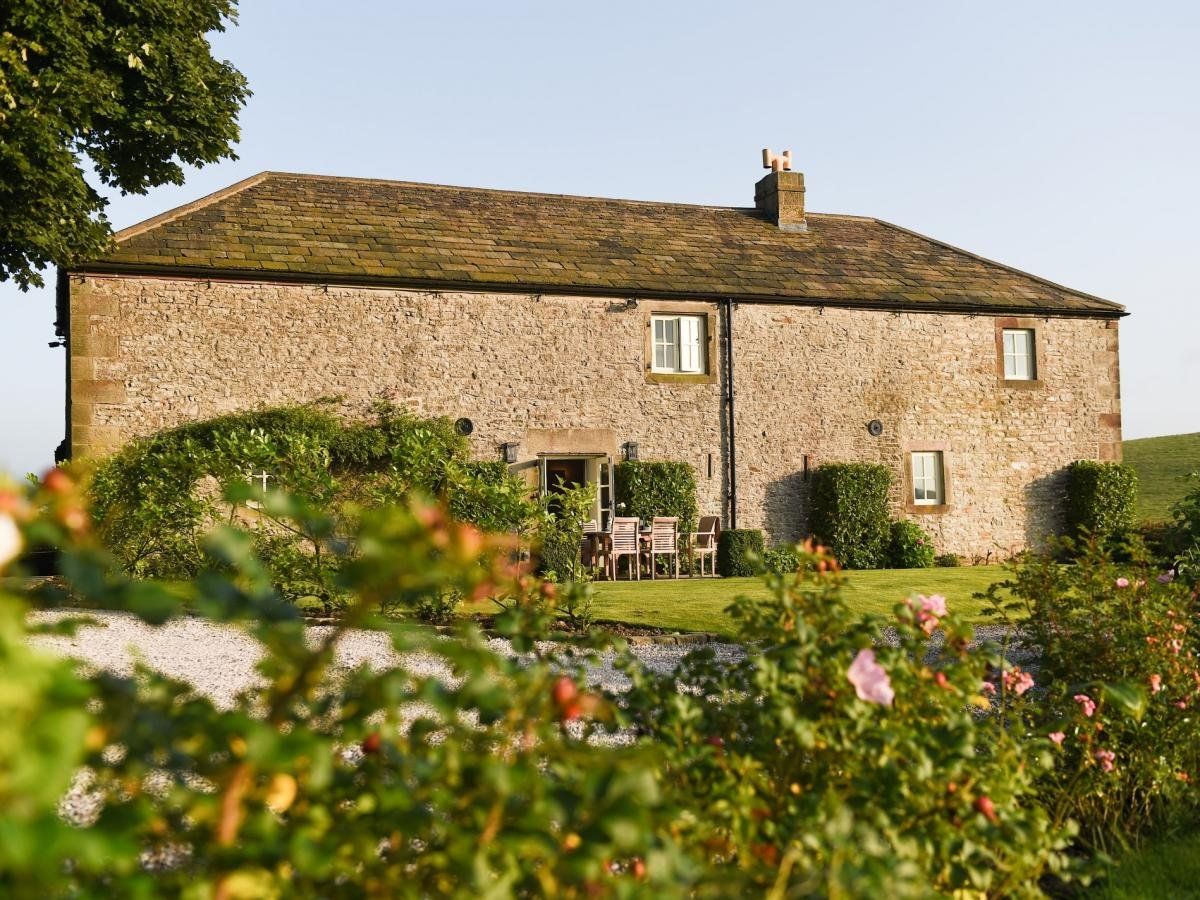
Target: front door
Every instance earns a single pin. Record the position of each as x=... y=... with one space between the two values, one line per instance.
x=564 y=473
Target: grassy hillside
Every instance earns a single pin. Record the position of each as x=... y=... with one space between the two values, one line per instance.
x=1162 y=464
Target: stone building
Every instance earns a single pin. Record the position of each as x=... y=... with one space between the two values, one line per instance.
x=569 y=332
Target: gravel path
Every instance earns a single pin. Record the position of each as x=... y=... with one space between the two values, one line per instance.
x=219 y=660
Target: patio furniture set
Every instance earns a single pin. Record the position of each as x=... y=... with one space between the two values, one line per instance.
x=642 y=547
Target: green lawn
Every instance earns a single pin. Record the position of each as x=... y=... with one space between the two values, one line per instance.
x=1163 y=871
x=1162 y=464
x=697 y=604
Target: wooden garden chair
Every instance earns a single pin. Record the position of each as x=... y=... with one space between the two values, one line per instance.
x=664 y=541
x=703 y=543
x=625 y=542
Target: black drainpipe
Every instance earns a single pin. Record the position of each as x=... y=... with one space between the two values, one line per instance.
x=62 y=330
x=727 y=329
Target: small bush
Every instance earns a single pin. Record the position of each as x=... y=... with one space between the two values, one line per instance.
x=1101 y=499
x=947 y=560
x=734 y=546
x=649 y=489
x=1183 y=539
x=911 y=546
x=782 y=559
x=850 y=512
x=561 y=533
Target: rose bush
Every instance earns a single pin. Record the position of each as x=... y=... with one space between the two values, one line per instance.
x=1119 y=688
x=833 y=758
x=827 y=762
x=480 y=780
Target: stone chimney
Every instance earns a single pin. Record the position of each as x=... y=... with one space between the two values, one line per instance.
x=780 y=194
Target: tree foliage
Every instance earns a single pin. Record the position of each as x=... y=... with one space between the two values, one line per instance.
x=132 y=86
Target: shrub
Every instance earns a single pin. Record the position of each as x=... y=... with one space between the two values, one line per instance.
x=910 y=547
x=850 y=512
x=782 y=559
x=859 y=769
x=561 y=534
x=649 y=489
x=156 y=499
x=1101 y=499
x=1183 y=539
x=739 y=552
x=947 y=560
x=813 y=764
x=315 y=782
x=1118 y=646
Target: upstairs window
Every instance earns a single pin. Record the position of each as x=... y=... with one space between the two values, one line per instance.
x=928 y=480
x=1020 y=361
x=678 y=344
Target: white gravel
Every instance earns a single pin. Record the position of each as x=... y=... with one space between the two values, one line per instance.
x=219 y=660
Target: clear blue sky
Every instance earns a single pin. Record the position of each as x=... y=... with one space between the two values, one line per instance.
x=1057 y=137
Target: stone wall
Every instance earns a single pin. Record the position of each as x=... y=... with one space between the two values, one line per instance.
x=149 y=353
x=809 y=381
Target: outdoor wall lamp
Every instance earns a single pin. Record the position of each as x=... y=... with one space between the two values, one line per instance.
x=631 y=451
x=509 y=449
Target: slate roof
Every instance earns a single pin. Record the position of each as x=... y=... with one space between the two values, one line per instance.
x=351 y=230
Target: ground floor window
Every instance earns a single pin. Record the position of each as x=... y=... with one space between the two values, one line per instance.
x=928 y=478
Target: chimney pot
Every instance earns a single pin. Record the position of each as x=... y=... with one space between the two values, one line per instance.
x=779 y=196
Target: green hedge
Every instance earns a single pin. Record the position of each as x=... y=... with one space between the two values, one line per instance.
x=733 y=545
x=649 y=489
x=155 y=500
x=1101 y=498
x=849 y=512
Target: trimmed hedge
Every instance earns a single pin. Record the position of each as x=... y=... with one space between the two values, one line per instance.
x=1101 y=498
x=850 y=512
x=733 y=545
x=649 y=489
x=911 y=546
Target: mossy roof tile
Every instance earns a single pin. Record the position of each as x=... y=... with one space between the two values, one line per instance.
x=311 y=227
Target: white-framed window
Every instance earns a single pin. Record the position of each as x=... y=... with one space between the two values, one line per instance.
x=678 y=344
x=1020 y=362
x=928 y=481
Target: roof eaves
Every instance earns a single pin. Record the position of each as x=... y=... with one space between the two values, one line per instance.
x=208 y=273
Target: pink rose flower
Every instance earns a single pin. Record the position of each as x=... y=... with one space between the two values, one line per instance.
x=1105 y=758
x=1155 y=683
x=1122 y=582
x=934 y=605
x=1057 y=737
x=1086 y=703
x=1017 y=681
x=870 y=680
x=988 y=688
